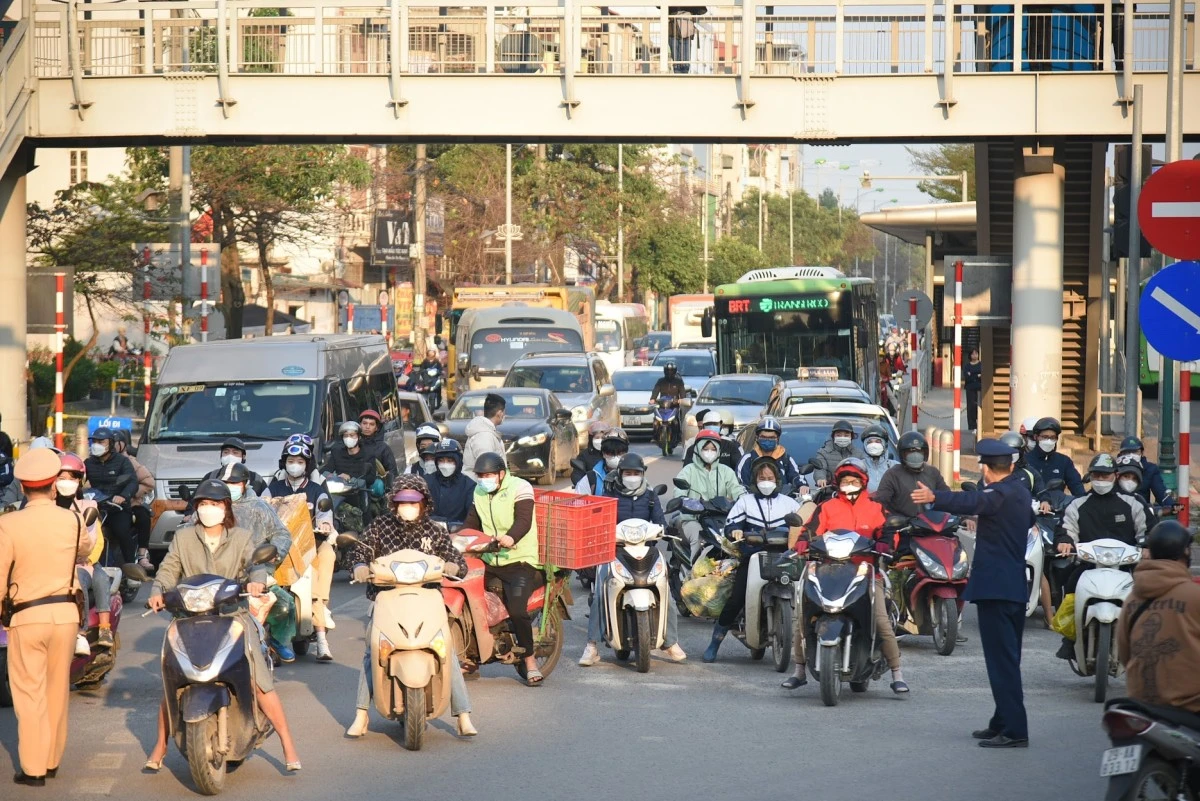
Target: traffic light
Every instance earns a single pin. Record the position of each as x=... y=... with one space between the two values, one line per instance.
x=1121 y=193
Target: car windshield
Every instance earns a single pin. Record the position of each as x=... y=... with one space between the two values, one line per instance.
x=496 y=349
x=263 y=410
x=736 y=393
x=635 y=380
x=556 y=378
x=519 y=407
x=689 y=364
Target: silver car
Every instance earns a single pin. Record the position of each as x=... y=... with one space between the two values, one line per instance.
x=580 y=381
x=634 y=385
x=742 y=395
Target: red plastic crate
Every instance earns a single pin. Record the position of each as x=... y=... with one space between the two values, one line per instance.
x=575 y=531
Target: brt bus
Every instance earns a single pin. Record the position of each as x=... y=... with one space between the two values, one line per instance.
x=780 y=320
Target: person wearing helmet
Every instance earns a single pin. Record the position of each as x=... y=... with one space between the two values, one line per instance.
x=614 y=445
x=428 y=436
x=215 y=544
x=636 y=500
x=452 y=492
x=69 y=489
x=591 y=455
x=349 y=460
x=139 y=511
x=502 y=508
x=1152 y=480
x=1159 y=616
x=233 y=449
x=1129 y=478
x=407 y=525
x=731 y=452
x=708 y=478
x=896 y=486
x=113 y=474
x=483 y=433
x=763 y=507
x=1026 y=431
x=670 y=385
x=874 y=443
x=10 y=489
x=1031 y=477
x=371 y=424
x=767 y=445
x=838 y=448
x=1048 y=462
x=852 y=509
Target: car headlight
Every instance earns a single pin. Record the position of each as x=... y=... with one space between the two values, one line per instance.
x=580 y=413
x=962 y=566
x=536 y=439
x=620 y=572
x=200 y=599
x=409 y=572
x=931 y=565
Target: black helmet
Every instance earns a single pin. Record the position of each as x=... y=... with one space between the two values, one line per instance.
x=631 y=461
x=448 y=447
x=1047 y=424
x=1014 y=440
x=211 y=489
x=489 y=463
x=615 y=441
x=1170 y=539
x=122 y=435
x=236 y=473
x=1131 y=444
x=874 y=432
x=670 y=369
x=1129 y=466
x=234 y=442
x=843 y=425
x=102 y=435
x=913 y=441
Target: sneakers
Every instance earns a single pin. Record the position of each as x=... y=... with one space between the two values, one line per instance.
x=284 y=652
x=675 y=653
x=105 y=638
x=590 y=656
x=82 y=648
x=143 y=561
x=323 y=652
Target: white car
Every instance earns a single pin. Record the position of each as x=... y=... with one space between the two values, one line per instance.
x=860 y=415
x=633 y=397
x=743 y=396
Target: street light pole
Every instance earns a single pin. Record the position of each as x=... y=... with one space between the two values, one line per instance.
x=704 y=215
x=761 y=185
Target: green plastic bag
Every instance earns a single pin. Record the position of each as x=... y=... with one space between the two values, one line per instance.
x=706 y=596
x=1064 y=618
x=703 y=567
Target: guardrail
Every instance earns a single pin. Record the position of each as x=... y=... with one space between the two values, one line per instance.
x=818 y=39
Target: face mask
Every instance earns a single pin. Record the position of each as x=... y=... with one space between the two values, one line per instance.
x=766 y=487
x=850 y=489
x=429 y=466
x=236 y=491
x=1102 y=487
x=874 y=448
x=211 y=515
x=408 y=511
x=230 y=458
x=67 y=487
x=489 y=484
x=296 y=469
x=714 y=427
x=915 y=460
x=446 y=468
x=98 y=449
x=1128 y=486
x=611 y=462
x=631 y=482
x=1030 y=443
x=767 y=445
x=709 y=455
x=1047 y=445
x=350 y=442
x=596 y=443
x=843 y=442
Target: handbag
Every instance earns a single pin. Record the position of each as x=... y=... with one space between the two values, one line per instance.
x=75 y=595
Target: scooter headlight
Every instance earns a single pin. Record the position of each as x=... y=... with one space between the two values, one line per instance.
x=633 y=533
x=932 y=566
x=409 y=572
x=1108 y=557
x=200 y=599
x=962 y=567
x=620 y=572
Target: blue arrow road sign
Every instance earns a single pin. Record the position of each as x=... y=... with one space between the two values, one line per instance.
x=1170 y=311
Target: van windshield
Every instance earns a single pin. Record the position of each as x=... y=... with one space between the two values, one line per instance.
x=497 y=348
x=263 y=410
x=608 y=336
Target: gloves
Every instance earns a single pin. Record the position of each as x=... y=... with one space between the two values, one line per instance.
x=362 y=574
x=801 y=547
x=450 y=569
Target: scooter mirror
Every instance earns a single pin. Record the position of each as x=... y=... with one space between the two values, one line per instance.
x=346 y=539
x=673 y=505
x=661 y=489
x=681 y=483
x=1055 y=485
x=134 y=572
x=806 y=469
x=969 y=486
x=793 y=519
x=896 y=521
x=578 y=464
x=90 y=516
x=324 y=505
x=263 y=554
x=185 y=492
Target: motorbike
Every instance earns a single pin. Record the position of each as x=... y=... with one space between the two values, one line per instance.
x=428 y=382
x=212 y=709
x=711 y=515
x=479 y=622
x=635 y=594
x=770 y=596
x=1154 y=754
x=411 y=671
x=1041 y=556
x=667 y=432
x=930 y=583
x=111 y=559
x=838 y=609
x=1099 y=596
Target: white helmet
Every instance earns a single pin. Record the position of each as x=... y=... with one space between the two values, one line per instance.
x=1027 y=425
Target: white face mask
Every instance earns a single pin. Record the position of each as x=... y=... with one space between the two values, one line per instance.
x=843 y=441
x=1031 y=442
x=489 y=484
x=236 y=491
x=230 y=458
x=709 y=455
x=766 y=487
x=596 y=443
x=849 y=488
x=611 y=462
x=1047 y=445
x=429 y=465
x=350 y=442
x=1128 y=486
x=408 y=511
x=296 y=469
x=98 y=449
x=211 y=515
x=631 y=482
x=446 y=468
x=874 y=448
x=1102 y=487
x=67 y=487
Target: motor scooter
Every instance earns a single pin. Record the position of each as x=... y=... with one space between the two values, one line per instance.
x=1099 y=596
x=635 y=596
x=770 y=597
x=930 y=582
x=667 y=432
x=428 y=382
x=1155 y=751
x=111 y=559
x=711 y=516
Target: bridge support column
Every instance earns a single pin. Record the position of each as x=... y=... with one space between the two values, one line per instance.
x=1037 y=293
x=12 y=311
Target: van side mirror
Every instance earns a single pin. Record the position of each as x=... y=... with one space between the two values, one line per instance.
x=439 y=416
x=706 y=323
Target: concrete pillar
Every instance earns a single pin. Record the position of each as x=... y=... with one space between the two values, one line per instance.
x=1037 y=296
x=12 y=319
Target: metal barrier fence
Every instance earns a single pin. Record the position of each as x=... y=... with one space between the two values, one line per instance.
x=128 y=394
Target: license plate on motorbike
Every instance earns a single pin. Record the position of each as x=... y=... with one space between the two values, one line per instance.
x=1119 y=761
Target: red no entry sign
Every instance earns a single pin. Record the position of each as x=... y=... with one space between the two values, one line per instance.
x=1169 y=209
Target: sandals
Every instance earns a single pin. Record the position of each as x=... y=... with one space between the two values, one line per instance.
x=899 y=687
x=293 y=767
x=152 y=766
x=534 y=678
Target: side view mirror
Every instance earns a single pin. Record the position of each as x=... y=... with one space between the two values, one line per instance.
x=475 y=374
x=264 y=554
x=134 y=572
x=324 y=505
x=607 y=390
x=463 y=361
x=661 y=489
x=439 y=416
x=185 y=493
x=565 y=414
x=706 y=323
x=794 y=520
x=896 y=521
x=577 y=464
x=673 y=505
x=90 y=516
x=346 y=539
x=969 y=486
x=807 y=469
x=691 y=393
x=681 y=483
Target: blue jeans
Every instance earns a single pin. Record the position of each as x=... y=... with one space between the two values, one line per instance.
x=596 y=616
x=460 y=702
x=97 y=580
x=681 y=54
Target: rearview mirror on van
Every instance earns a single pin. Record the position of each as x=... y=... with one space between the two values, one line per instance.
x=439 y=416
x=706 y=324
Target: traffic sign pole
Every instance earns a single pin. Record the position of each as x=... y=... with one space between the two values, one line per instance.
x=958 y=317
x=1185 y=440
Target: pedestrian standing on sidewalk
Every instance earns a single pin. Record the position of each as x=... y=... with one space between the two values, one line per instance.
x=973 y=383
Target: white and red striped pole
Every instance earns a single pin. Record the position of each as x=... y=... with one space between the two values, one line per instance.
x=146 y=331
x=912 y=357
x=383 y=321
x=203 y=295
x=60 y=329
x=957 y=455
x=1185 y=441
x=350 y=318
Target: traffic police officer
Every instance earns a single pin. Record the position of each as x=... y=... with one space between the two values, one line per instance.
x=997 y=583
x=1152 y=480
x=39 y=546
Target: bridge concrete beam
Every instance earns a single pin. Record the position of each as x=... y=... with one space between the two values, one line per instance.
x=12 y=287
x=901 y=108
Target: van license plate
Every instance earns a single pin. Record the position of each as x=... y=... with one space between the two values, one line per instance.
x=1119 y=761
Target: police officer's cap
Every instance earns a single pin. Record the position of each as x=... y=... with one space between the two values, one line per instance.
x=995 y=453
x=37 y=467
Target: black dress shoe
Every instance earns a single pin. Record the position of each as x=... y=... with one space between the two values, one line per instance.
x=1004 y=741
x=51 y=773
x=984 y=734
x=29 y=781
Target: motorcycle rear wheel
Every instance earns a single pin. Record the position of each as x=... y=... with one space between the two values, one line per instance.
x=1104 y=632
x=945 y=625
x=645 y=641
x=414 y=718
x=829 y=664
x=206 y=764
x=1158 y=779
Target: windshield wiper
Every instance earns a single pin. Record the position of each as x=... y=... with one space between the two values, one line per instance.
x=728 y=401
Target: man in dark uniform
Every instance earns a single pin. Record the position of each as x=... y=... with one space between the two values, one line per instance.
x=1152 y=480
x=997 y=583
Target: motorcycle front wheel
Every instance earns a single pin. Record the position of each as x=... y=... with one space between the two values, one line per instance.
x=414 y=718
x=205 y=762
x=945 y=625
x=829 y=662
x=645 y=641
x=781 y=638
x=1104 y=633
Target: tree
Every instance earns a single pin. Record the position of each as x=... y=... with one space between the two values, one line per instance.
x=731 y=259
x=829 y=199
x=822 y=235
x=665 y=257
x=945 y=160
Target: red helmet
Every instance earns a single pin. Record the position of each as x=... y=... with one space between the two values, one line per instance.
x=852 y=467
x=708 y=433
x=71 y=464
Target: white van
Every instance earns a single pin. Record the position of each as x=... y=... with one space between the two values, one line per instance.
x=488 y=340
x=262 y=391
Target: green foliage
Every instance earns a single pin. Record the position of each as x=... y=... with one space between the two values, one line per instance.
x=667 y=257
x=945 y=160
x=732 y=258
x=83 y=379
x=829 y=199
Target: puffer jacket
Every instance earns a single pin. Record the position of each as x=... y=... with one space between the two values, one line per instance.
x=482 y=437
x=876 y=467
x=710 y=481
x=452 y=496
x=1161 y=649
x=641 y=503
x=788 y=471
x=830 y=456
x=862 y=515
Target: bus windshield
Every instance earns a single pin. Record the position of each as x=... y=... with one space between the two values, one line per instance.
x=780 y=335
x=263 y=410
x=496 y=349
